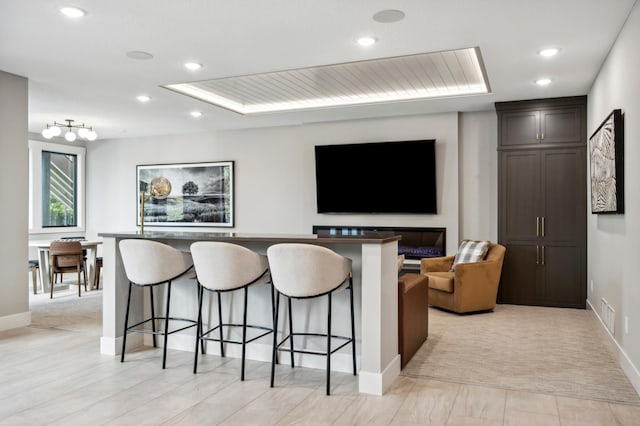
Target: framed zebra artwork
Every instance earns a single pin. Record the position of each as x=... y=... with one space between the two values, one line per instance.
x=606 y=156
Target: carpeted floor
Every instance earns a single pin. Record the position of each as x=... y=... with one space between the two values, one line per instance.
x=67 y=311
x=562 y=352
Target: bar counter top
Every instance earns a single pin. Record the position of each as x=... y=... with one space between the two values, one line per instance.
x=366 y=237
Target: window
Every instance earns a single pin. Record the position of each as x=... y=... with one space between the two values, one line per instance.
x=56 y=187
x=59 y=178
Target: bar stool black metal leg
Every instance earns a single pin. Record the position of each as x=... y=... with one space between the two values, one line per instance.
x=126 y=322
x=220 y=325
x=353 y=327
x=198 y=331
x=166 y=327
x=275 y=337
x=201 y=297
x=291 y=332
x=153 y=316
x=329 y=344
x=244 y=332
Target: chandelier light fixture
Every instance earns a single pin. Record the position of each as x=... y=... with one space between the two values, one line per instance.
x=55 y=129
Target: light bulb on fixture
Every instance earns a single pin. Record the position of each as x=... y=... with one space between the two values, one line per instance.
x=55 y=129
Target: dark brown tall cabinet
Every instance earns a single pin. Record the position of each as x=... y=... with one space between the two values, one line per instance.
x=542 y=199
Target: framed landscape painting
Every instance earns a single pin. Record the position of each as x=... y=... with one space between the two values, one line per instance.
x=192 y=194
x=606 y=155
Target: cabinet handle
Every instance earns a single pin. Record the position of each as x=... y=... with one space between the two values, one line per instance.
x=543 y=255
x=537 y=255
x=537 y=226
x=541 y=136
x=537 y=136
x=543 y=227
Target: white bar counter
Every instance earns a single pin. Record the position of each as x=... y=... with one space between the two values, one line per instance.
x=374 y=256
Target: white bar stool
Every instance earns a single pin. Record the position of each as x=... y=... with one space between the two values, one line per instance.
x=303 y=271
x=148 y=264
x=225 y=267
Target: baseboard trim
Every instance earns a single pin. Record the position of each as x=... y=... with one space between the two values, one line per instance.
x=113 y=345
x=379 y=383
x=629 y=369
x=8 y=322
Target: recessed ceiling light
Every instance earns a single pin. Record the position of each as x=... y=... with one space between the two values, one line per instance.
x=543 y=81
x=388 y=16
x=547 y=53
x=143 y=98
x=139 y=55
x=192 y=66
x=366 y=41
x=196 y=114
x=73 y=12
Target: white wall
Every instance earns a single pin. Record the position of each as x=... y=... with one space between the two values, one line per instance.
x=274 y=169
x=14 y=301
x=613 y=251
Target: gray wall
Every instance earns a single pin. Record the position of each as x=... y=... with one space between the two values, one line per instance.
x=14 y=302
x=613 y=251
x=478 y=175
x=275 y=178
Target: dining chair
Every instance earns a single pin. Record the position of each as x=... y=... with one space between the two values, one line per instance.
x=33 y=266
x=66 y=257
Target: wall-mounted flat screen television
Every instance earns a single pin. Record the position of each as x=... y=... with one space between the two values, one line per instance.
x=382 y=177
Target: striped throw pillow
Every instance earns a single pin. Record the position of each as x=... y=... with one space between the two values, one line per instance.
x=470 y=251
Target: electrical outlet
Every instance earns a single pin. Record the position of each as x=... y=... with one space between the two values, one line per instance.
x=591 y=286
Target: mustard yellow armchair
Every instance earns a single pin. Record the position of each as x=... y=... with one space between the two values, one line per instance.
x=472 y=287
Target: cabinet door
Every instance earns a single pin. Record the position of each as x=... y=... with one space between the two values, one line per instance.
x=564 y=179
x=564 y=281
x=519 y=128
x=519 y=196
x=519 y=278
x=561 y=125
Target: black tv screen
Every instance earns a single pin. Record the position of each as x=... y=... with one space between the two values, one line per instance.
x=383 y=177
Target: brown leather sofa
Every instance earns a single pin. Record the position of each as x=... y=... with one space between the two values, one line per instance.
x=472 y=287
x=413 y=314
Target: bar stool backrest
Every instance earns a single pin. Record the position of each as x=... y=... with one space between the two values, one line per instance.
x=152 y=262
x=226 y=266
x=306 y=270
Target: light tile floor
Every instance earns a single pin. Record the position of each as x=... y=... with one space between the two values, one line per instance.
x=57 y=376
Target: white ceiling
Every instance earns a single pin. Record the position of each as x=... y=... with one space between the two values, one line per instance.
x=78 y=69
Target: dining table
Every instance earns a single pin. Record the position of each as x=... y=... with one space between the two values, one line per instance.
x=91 y=246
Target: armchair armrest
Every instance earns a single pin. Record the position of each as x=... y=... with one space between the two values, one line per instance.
x=436 y=264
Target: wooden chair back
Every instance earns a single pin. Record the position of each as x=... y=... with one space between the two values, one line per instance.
x=65 y=254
